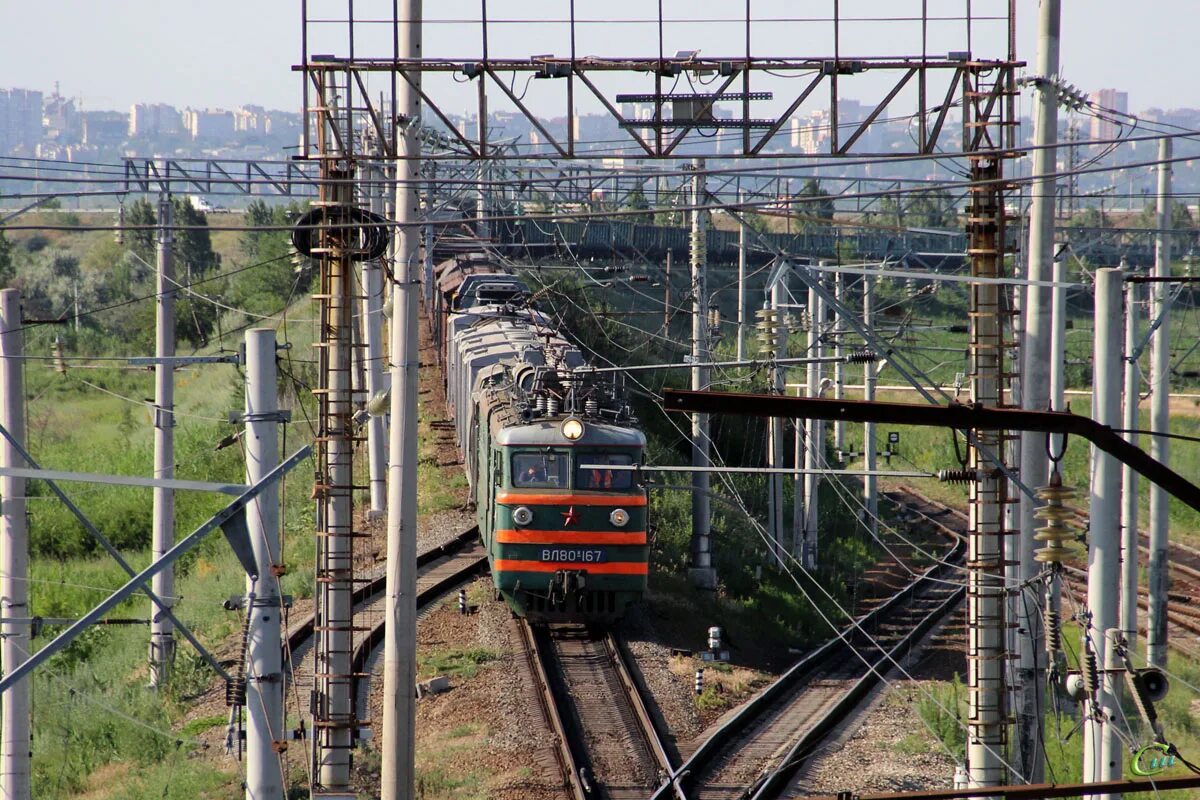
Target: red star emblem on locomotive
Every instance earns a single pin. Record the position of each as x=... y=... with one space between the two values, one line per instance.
x=569 y=516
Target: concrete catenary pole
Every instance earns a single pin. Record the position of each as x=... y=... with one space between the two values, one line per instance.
x=15 y=744
x=400 y=633
x=775 y=426
x=264 y=601
x=371 y=319
x=1101 y=753
x=814 y=436
x=1158 y=579
x=741 y=283
x=1129 y=478
x=1037 y=320
x=162 y=631
x=870 y=443
x=701 y=573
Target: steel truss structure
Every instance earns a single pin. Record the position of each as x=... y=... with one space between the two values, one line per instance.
x=739 y=79
x=342 y=95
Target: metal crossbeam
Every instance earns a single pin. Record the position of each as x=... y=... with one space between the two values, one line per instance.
x=135 y=583
x=123 y=480
x=956 y=416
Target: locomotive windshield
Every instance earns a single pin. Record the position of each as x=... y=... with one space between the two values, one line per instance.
x=541 y=470
x=592 y=475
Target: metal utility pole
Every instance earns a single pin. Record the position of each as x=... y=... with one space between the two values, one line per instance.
x=1037 y=320
x=1160 y=419
x=741 y=282
x=814 y=437
x=264 y=601
x=371 y=335
x=334 y=716
x=667 y=298
x=162 y=631
x=1101 y=747
x=482 y=222
x=701 y=572
x=15 y=742
x=1129 y=478
x=870 y=445
x=839 y=368
x=427 y=264
x=400 y=631
x=775 y=424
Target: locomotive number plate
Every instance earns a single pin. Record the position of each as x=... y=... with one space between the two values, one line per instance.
x=585 y=555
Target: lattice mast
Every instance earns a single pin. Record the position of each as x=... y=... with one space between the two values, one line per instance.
x=333 y=705
x=985 y=120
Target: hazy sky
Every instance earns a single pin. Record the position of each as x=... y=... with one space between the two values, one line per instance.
x=226 y=53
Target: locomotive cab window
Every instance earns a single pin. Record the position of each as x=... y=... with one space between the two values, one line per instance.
x=600 y=479
x=545 y=470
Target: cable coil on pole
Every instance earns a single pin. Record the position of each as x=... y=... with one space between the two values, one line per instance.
x=367 y=234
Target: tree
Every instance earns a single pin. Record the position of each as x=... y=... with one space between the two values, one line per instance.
x=270 y=278
x=141 y=220
x=194 y=253
x=1180 y=220
x=636 y=201
x=817 y=202
x=7 y=270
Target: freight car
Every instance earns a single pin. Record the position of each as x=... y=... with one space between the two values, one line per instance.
x=566 y=534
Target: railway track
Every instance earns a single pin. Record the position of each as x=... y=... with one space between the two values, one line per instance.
x=607 y=744
x=440 y=569
x=756 y=751
x=1183 y=614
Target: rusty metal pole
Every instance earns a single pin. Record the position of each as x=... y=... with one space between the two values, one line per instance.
x=986 y=651
x=334 y=715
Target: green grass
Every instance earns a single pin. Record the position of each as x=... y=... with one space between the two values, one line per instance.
x=92 y=712
x=913 y=744
x=201 y=724
x=457 y=662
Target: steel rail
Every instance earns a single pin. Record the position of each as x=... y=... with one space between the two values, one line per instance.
x=299 y=634
x=472 y=565
x=633 y=691
x=589 y=681
x=573 y=779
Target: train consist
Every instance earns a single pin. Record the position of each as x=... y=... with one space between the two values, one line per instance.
x=539 y=434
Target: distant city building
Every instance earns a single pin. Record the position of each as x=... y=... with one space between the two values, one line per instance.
x=105 y=128
x=1103 y=126
x=283 y=124
x=813 y=134
x=147 y=120
x=250 y=119
x=60 y=120
x=208 y=124
x=20 y=120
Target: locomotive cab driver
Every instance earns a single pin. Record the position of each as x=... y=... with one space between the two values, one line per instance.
x=534 y=473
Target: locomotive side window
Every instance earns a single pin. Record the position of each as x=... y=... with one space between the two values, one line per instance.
x=605 y=480
x=540 y=470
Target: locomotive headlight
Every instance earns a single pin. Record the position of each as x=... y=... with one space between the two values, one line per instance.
x=522 y=515
x=619 y=517
x=572 y=428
